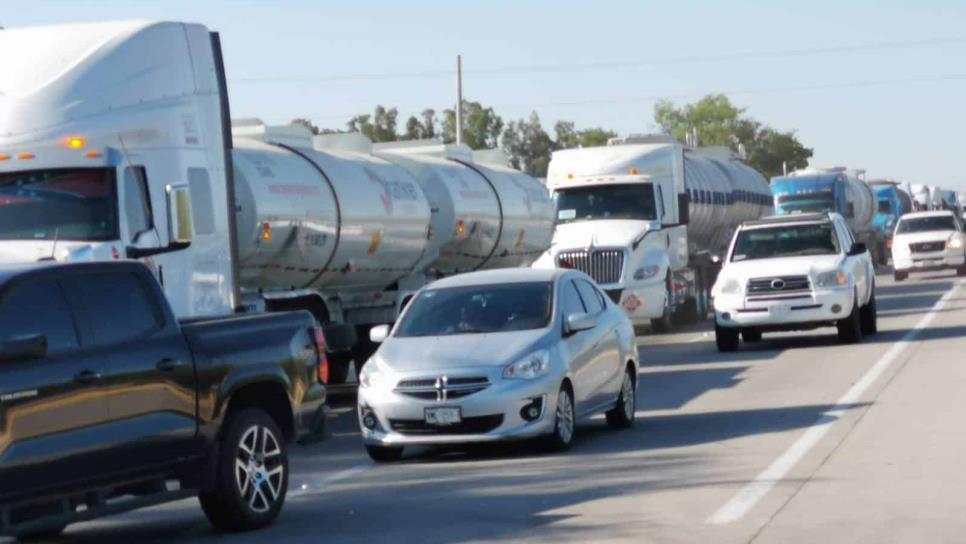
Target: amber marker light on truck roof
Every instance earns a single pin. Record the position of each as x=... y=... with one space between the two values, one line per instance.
x=75 y=142
x=92 y=154
x=25 y=156
x=4 y=157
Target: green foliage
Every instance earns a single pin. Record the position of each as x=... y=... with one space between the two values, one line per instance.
x=568 y=137
x=379 y=127
x=417 y=129
x=528 y=145
x=481 y=126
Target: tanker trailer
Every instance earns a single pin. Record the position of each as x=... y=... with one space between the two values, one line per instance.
x=836 y=190
x=648 y=218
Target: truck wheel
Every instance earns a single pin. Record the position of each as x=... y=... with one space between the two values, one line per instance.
x=850 y=327
x=870 y=324
x=251 y=473
x=751 y=336
x=665 y=323
x=384 y=454
x=339 y=367
x=726 y=338
x=961 y=271
x=899 y=276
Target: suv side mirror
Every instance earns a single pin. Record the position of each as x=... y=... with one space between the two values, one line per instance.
x=858 y=248
x=378 y=334
x=23 y=348
x=579 y=322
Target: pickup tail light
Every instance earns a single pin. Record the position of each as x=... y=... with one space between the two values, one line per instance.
x=319 y=343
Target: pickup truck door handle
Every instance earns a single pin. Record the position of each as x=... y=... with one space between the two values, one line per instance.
x=168 y=364
x=87 y=377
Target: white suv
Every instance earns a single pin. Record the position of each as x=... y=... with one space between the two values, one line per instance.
x=926 y=241
x=794 y=272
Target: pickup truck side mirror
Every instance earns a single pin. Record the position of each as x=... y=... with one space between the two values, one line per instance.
x=858 y=248
x=579 y=322
x=23 y=348
x=378 y=334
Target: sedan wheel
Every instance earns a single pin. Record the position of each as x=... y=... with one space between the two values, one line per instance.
x=621 y=416
x=565 y=421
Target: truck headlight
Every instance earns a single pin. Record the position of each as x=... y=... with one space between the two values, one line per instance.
x=901 y=250
x=832 y=278
x=728 y=286
x=954 y=242
x=371 y=375
x=532 y=366
x=646 y=272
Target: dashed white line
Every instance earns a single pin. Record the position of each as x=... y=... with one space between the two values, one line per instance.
x=754 y=491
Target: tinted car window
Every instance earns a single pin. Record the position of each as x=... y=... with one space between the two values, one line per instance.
x=570 y=302
x=118 y=305
x=926 y=224
x=591 y=297
x=38 y=307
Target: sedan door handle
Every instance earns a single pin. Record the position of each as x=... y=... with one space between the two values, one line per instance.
x=86 y=377
x=168 y=364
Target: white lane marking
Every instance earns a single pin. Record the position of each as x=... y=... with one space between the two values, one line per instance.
x=703 y=336
x=320 y=485
x=754 y=491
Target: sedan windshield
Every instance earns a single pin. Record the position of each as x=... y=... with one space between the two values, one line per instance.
x=65 y=204
x=926 y=224
x=785 y=241
x=478 y=309
x=631 y=201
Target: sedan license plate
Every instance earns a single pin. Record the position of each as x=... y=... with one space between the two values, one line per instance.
x=443 y=416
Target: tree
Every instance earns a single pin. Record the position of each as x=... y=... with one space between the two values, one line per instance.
x=421 y=130
x=568 y=137
x=528 y=145
x=481 y=126
x=717 y=121
x=306 y=123
x=378 y=127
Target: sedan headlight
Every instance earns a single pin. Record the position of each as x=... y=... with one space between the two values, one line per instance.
x=646 y=272
x=532 y=366
x=371 y=374
x=954 y=242
x=832 y=278
x=729 y=286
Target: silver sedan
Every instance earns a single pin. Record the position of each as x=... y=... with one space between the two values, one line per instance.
x=498 y=355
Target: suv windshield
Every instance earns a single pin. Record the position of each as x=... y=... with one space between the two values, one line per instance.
x=632 y=201
x=478 y=309
x=65 y=204
x=925 y=224
x=785 y=241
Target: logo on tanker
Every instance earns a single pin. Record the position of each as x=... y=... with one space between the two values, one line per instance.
x=392 y=190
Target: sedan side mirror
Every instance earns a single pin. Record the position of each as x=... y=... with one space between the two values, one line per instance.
x=23 y=348
x=858 y=248
x=580 y=322
x=378 y=334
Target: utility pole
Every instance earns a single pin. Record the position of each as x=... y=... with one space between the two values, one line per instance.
x=459 y=99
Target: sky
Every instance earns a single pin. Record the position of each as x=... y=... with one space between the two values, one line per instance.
x=878 y=85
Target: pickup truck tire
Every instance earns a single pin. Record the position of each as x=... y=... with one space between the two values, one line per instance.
x=900 y=276
x=726 y=338
x=850 y=327
x=384 y=454
x=252 y=473
x=870 y=320
x=339 y=367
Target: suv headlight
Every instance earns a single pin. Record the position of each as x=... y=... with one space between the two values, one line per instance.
x=832 y=278
x=371 y=374
x=954 y=242
x=532 y=366
x=728 y=286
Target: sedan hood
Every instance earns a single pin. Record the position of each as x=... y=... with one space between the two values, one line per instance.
x=786 y=266
x=598 y=233
x=435 y=353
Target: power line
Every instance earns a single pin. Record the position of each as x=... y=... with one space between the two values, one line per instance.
x=604 y=65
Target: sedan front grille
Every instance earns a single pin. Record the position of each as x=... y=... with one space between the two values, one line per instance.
x=927 y=247
x=443 y=387
x=604 y=265
x=777 y=284
x=469 y=425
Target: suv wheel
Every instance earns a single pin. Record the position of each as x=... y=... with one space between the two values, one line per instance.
x=870 y=323
x=726 y=338
x=252 y=473
x=850 y=327
x=621 y=416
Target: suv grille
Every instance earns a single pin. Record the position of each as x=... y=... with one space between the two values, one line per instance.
x=778 y=284
x=925 y=247
x=442 y=388
x=469 y=425
x=604 y=265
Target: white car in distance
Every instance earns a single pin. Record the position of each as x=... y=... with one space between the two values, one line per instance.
x=928 y=241
x=794 y=272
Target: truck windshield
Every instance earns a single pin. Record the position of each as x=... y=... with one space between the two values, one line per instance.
x=885 y=206
x=478 y=309
x=65 y=204
x=926 y=224
x=631 y=201
x=805 y=203
x=785 y=241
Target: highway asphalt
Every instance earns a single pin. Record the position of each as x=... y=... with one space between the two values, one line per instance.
x=794 y=439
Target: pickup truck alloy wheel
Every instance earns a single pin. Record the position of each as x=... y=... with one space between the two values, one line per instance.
x=258 y=470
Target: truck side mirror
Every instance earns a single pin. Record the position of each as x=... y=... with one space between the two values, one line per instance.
x=180 y=227
x=23 y=348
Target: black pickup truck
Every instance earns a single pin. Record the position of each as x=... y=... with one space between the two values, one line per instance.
x=108 y=403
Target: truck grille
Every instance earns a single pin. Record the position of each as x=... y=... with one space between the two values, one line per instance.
x=926 y=247
x=604 y=265
x=469 y=425
x=777 y=284
x=442 y=388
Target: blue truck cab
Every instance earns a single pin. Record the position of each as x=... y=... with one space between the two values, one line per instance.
x=890 y=206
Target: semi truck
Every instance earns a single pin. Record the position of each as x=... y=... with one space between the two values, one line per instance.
x=892 y=202
x=648 y=218
x=116 y=142
x=837 y=190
